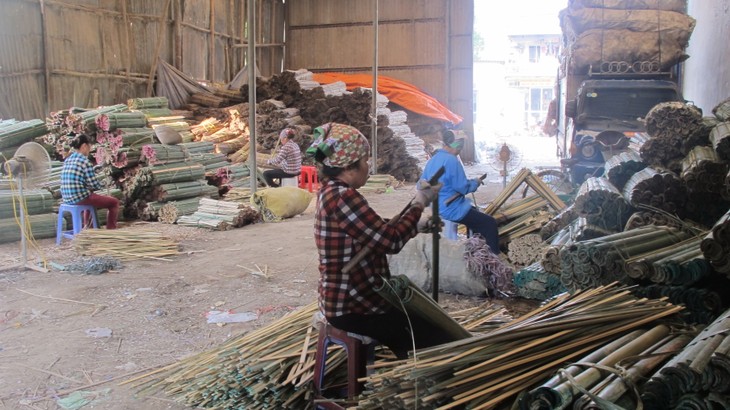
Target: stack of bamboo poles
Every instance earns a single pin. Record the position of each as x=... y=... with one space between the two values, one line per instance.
x=550 y=260
x=180 y=126
x=147 y=103
x=206 y=127
x=125 y=120
x=485 y=371
x=209 y=100
x=670 y=126
x=41 y=226
x=600 y=261
x=702 y=305
x=534 y=282
x=239 y=194
x=619 y=168
x=703 y=171
x=720 y=138
x=16 y=134
x=520 y=207
x=181 y=190
x=220 y=215
x=581 y=230
x=716 y=245
x=211 y=162
x=559 y=221
x=525 y=250
x=170 y=212
x=678 y=264
x=271 y=367
x=79 y=118
x=231 y=146
x=644 y=218
x=144 y=181
x=137 y=136
x=523 y=225
x=162 y=154
x=37 y=201
x=597 y=372
x=601 y=204
x=240 y=155
x=537 y=185
x=657 y=189
x=125 y=244
x=198 y=148
x=160 y=115
x=699 y=373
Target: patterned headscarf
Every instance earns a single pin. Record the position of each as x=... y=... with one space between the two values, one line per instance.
x=338 y=145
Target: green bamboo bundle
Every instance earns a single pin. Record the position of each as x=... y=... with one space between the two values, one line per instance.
x=126 y=120
x=200 y=147
x=621 y=167
x=211 y=162
x=85 y=117
x=214 y=223
x=550 y=260
x=583 y=231
x=700 y=368
x=703 y=171
x=182 y=190
x=138 y=136
x=176 y=172
x=235 y=215
x=534 y=282
x=150 y=113
x=716 y=245
x=150 y=211
x=147 y=103
x=601 y=204
x=34 y=201
x=169 y=212
x=644 y=218
x=379 y=183
x=16 y=134
x=165 y=153
x=7 y=153
x=7 y=123
x=125 y=244
x=486 y=371
x=720 y=139
x=657 y=189
x=41 y=226
x=602 y=260
x=178 y=121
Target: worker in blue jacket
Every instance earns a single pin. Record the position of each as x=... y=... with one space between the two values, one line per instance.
x=453 y=204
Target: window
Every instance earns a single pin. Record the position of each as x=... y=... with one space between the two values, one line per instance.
x=534 y=54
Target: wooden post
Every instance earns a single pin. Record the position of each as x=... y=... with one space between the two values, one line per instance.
x=211 y=43
x=158 y=47
x=178 y=58
x=127 y=40
x=46 y=67
x=230 y=66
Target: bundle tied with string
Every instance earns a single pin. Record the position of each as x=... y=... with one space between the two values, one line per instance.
x=412 y=300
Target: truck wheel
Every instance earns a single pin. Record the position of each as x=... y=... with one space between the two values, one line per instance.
x=555 y=179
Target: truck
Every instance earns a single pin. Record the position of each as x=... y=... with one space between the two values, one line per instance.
x=616 y=66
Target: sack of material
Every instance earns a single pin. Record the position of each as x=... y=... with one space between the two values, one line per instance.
x=581 y=20
x=670 y=5
x=276 y=204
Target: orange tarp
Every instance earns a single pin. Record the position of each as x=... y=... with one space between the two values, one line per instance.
x=404 y=94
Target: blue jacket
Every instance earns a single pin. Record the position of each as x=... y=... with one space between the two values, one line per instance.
x=454 y=180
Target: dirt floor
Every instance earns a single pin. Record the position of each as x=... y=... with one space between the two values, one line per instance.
x=54 y=326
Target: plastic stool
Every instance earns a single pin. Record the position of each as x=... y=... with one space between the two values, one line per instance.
x=358 y=348
x=77 y=220
x=451 y=230
x=289 y=181
x=308 y=179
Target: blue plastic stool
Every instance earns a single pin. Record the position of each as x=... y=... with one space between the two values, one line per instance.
x=451 y=230
x=359 y=350
x=77 y=219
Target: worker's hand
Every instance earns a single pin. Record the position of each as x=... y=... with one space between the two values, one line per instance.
x=425 y=225
x=425 y=193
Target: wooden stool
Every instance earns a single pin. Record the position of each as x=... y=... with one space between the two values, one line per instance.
x=358 y=348
x=77 y=220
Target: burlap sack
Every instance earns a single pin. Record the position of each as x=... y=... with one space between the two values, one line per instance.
x=578 y=21
x=670 y=5
x=279 y=203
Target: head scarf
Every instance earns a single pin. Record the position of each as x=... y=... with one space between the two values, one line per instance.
x=286 y=133
x=338 y=145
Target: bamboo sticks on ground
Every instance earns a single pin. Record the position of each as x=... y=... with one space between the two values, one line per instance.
x=125 y=244
x=220 y=215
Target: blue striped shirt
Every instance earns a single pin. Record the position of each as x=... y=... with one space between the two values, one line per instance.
x=77 y=179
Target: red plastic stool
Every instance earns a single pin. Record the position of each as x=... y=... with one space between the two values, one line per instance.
x=359 y=350
x=308 y=178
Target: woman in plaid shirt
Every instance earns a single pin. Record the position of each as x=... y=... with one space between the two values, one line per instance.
x=78 y=181
x=344 y=224
x=288 y=161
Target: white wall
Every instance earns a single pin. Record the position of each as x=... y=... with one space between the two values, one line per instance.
x=707 y=72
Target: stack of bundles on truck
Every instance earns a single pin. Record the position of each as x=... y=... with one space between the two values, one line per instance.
x=648 y=32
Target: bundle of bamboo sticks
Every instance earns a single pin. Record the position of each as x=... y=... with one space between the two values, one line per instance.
x=220 y=215
x=657 y=189
x=601 y=204
x=41 y=226
x=125 y=244
x=703 y=171
x=716 y=245
x=720 y=138
x=181 y=190
x=700 y=369
x=147 y=103
x=21 y=132
x=534 y=282
x=36 y=201
x=485 y=371
x=526 y=249
x=170 y=212
x=602 y=260
x=677 y=264
x=619 y=168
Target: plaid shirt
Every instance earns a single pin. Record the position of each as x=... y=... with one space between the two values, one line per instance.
x=289 y=158
x=344 y=224
x=77 y=179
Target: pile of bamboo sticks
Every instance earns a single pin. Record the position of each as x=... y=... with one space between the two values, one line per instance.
x=702 y=305
x=601 y=204
x=162 y=154
x=181 y=190
x=537 y=185
x=619 y=168
x=697 y=377
x=657 y=189
x=720 y=138
x=703 y=171
x=220 y=215
x=678 y=264
x=125 y=244
x=534 y=282
x=37 y=201
x=716 y=245
x=525 y=224
x=644 y=218
x=597 y=373
x=147 y=103
x=601 y=261
x=21 y=132
x=525 y=250
x=559 y=221
x=41 y=226
x=170 y=212
x=124 y=120
x=485 y=371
